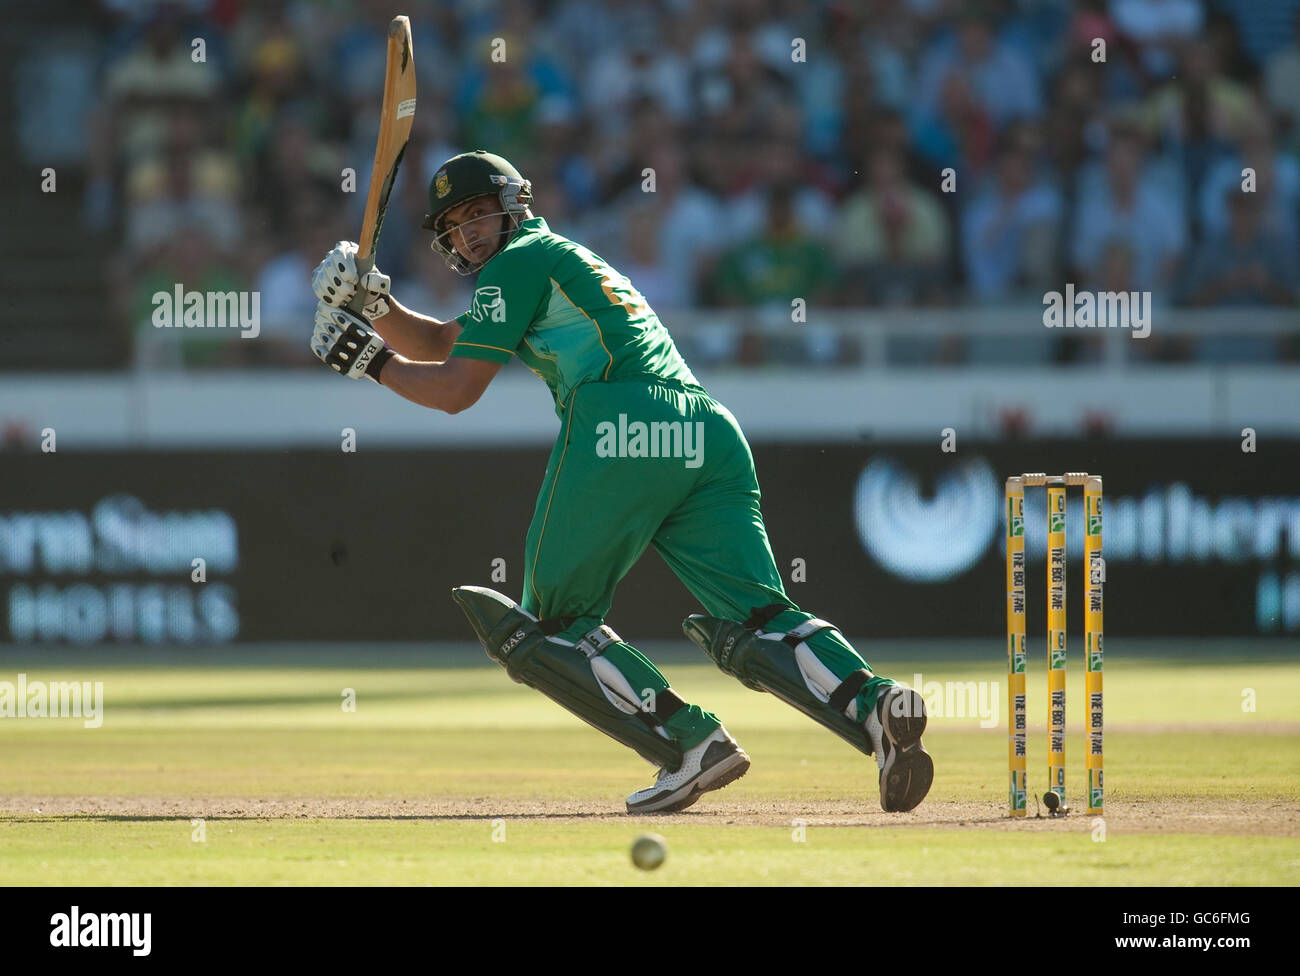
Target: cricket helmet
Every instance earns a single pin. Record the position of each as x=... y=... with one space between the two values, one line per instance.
x=469 y=175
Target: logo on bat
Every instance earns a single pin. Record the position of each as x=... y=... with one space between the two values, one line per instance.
x=489 y=305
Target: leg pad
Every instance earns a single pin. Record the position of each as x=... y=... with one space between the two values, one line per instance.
x=562 y=673
x=772 y=666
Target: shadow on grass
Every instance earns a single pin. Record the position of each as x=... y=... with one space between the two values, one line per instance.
x=702 y=816
x=270 y=701
x=254 y=818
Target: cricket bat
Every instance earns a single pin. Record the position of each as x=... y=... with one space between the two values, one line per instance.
x=394 y=132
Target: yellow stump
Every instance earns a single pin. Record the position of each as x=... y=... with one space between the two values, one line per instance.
x=1096 y=574
x=1016 y=722
x=1056 y=640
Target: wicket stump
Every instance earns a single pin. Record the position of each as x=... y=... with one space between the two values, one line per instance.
x=1094 y=573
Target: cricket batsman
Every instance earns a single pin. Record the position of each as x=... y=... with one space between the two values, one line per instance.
x=645 y=457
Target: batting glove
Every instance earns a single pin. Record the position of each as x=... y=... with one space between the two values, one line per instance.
x=335 y=282
x=347 y=344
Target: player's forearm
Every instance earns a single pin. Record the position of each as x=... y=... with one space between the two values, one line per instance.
x=429 y=384
x=415 y=336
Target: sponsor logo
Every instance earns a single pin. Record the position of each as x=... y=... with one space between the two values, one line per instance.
x=111 y=573
x=489 y=305
x=512 y=643
x=927 y=535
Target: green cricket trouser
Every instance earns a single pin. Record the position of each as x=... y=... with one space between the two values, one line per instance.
x=640 y=462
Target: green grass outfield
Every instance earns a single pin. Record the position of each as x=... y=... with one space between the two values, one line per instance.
x=452 y=774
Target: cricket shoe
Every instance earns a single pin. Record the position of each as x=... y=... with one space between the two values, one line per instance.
x=711 y=765
x=906 y=769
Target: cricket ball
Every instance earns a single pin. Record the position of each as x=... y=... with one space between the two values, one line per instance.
x=649 y=851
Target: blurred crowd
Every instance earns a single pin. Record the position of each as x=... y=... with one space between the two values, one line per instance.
x=883 y=153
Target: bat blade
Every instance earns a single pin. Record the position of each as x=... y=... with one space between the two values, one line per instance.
x=395 y=122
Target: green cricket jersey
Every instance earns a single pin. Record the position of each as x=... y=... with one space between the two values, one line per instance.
x=586 y=330
x=568 y=315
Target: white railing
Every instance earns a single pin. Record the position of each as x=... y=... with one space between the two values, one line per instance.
x=976 y=336
x=877 y=397
x=990 y=335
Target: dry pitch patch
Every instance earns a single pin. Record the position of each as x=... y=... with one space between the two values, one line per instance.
x=1259 y=818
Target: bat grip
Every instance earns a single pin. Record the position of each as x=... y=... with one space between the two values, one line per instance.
x=365 y=265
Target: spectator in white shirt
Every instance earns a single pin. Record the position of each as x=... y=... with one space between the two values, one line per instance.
x=1009 y=230
x=1123 y=206
x=1158 y=26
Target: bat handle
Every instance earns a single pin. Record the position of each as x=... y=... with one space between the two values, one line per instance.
x=364 y=266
